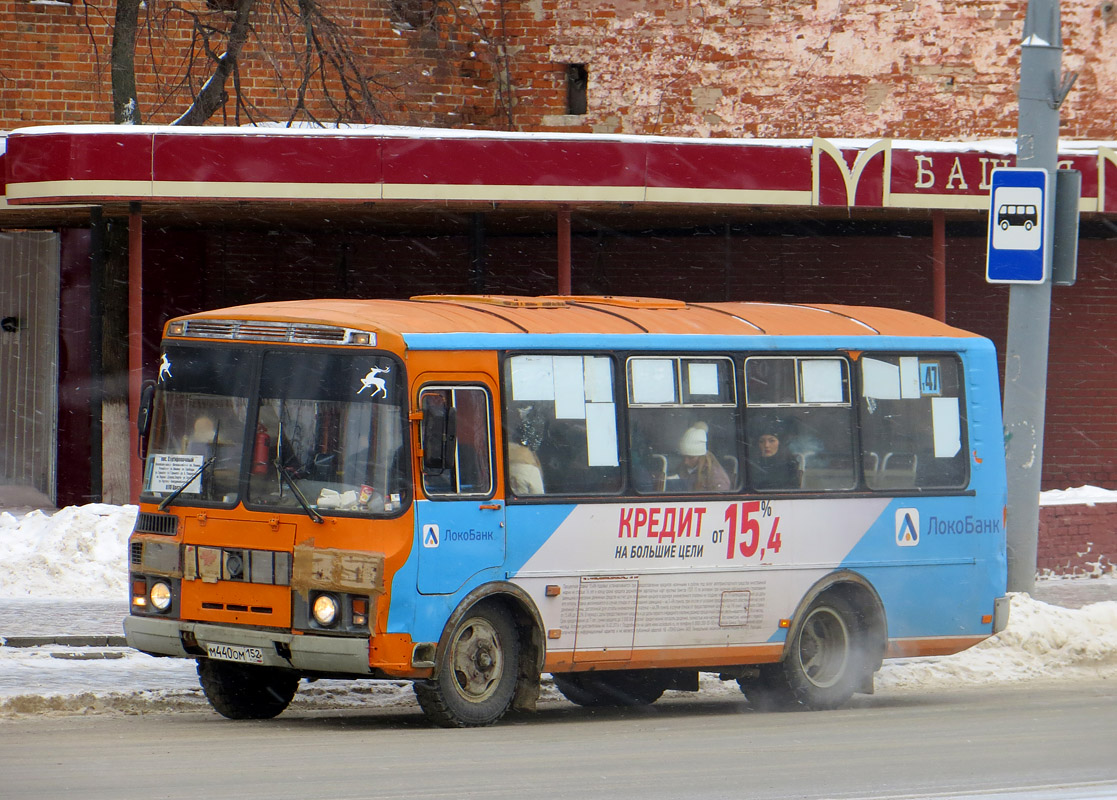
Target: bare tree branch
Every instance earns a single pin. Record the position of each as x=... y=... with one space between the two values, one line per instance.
x=327 y=52
x=307 y=44
x=213 y=95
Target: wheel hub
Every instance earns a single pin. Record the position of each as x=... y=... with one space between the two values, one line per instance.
x=477 y=661
x=824 y=647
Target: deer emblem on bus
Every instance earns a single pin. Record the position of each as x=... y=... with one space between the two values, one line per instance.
x=164 y=368
x=373 y=381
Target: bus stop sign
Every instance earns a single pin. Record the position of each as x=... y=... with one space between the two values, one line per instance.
x=1019 y=244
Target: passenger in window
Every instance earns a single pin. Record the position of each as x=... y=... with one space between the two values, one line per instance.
x=209 y=439
x=203 y=438
x=525 y=474
x=701 y=470
x=771 y=465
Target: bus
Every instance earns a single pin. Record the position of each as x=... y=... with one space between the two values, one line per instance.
x=470 y=492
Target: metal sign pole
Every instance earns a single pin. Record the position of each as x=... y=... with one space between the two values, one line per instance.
x=1029 y=305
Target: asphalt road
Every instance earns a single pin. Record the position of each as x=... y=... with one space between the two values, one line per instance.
x=1035 y=741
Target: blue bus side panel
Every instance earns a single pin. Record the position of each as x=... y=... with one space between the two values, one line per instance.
x=647 y=575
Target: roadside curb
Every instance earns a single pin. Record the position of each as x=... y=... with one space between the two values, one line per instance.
x=65 y=641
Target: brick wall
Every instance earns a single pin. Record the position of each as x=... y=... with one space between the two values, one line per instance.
x=925 y=69
x=1077 y=539
x=439 y=69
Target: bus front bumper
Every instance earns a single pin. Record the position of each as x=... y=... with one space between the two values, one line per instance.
x=305 y=653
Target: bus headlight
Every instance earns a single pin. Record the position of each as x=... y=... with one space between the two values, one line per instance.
x=325 y=610
x=160 y=594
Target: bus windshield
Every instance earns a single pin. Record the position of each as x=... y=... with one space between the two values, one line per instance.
x=197 y=433
x=331 y=426
x=326 y=426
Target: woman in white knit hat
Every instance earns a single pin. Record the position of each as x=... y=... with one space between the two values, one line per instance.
x=701 y=471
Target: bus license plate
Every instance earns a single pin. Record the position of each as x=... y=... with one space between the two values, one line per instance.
x=232 y=652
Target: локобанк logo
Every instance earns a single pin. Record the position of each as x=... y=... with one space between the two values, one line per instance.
x=907 y=527
x=430 y=535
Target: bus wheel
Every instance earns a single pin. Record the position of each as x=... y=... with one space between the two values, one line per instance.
x=240 y=691
x=827 y=660
x=613 y=688
x=477 y=679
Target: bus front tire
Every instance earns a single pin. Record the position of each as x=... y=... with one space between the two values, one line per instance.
x=477 y=679
x=824 y=665
x=240 y=691
x=613 y=688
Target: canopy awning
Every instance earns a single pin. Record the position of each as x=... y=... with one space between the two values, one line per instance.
x=197 y=172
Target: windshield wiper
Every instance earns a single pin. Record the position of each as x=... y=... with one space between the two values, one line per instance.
x=170 y=498
x=310 y=512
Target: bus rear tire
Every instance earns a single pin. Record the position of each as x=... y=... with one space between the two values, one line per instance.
x=242 y=691
x=826 y=662
x=477 y=677
x=614 y=688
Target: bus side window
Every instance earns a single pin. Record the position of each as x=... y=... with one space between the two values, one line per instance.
x=560 y=425
x=457 y=441
x=682 y=424
x=799 y=423
x=913 y=422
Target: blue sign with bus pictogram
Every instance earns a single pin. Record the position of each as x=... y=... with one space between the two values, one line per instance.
x=1019 y=247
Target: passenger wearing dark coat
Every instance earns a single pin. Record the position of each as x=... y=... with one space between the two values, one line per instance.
x=772 y=466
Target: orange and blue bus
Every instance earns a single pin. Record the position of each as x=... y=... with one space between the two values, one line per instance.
x=470 y=492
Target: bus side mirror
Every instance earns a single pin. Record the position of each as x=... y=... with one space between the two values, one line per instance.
x=438 y=435
x=143 y=415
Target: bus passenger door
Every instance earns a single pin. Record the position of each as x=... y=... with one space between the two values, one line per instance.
x=459 y=523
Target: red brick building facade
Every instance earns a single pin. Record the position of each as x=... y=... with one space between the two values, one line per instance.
x=919 y=69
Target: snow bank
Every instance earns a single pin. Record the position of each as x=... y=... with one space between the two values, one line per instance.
x=80 y=551
x=1041 y=641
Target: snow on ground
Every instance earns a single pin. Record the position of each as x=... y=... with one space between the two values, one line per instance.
x=1041 y=641
x=80 y=553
